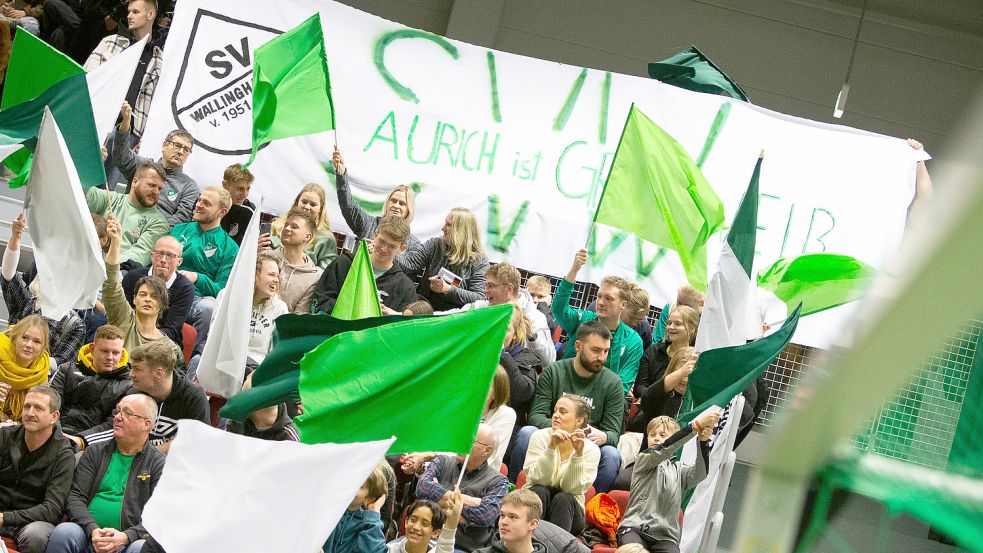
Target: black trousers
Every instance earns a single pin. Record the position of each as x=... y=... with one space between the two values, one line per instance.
x=561 y=509
x=631 y=535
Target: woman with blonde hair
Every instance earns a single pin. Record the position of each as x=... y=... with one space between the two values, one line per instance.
x=683 y=322
x=458 y=249
x=522 y=366
x=561 y=463
x=499 y=416
x=400 y=202
x=323 y=248
x=23 y=363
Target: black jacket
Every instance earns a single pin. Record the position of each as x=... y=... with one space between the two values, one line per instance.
x=523 y=367
x=398 y=288
x=180 y=295
x=652 y=367
x=33 y=486
x=144 y=474
x=283 y=430
x=89 y=397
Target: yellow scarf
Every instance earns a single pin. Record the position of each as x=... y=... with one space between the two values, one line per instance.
x=21 y=379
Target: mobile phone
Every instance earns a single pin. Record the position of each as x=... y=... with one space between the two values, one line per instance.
x=264 y=227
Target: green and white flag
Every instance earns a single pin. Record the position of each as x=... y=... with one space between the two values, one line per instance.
x=291 y=88
x=730 y=315
x=656 y=191
x=37 y=74
x=66 y=248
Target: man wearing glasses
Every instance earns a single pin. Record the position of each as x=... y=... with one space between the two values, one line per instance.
x=482 y=489
x=164 y=261
x=113 y=481
x=177 y=200
x=136 y=212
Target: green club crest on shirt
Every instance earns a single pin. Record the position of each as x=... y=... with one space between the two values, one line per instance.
x=209 y=250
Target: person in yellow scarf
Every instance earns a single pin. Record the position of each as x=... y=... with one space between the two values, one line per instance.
x=23 y=363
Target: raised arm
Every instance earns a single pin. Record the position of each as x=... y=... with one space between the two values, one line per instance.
x=567 y=317
x=354 y=215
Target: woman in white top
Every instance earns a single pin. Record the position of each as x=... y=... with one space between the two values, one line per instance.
x=499 y=416
x=561 y=464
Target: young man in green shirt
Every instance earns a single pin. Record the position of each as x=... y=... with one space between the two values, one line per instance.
x=583 y=376
x=113 y=482
x=136 y=212
x=208 y=255
x=626 y=345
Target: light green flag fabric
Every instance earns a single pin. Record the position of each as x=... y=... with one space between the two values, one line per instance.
x=692 y=70
x=656 y=191
x=423 y=380
x=34 y=67
x=722 y=373
x=291 y=88
x=818 y=281
x=358 y=298
x=71 y=107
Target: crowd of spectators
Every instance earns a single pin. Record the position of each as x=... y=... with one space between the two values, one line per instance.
x=583 y=401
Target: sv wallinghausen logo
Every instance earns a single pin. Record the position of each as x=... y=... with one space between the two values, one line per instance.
x=213 y=97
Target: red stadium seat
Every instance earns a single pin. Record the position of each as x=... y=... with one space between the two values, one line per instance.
x=188 y=337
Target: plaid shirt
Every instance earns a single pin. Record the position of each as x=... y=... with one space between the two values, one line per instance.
x=67 y=336
x=114 y=44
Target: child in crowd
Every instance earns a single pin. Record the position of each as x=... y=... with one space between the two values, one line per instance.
x=430 y=528
x=360 y=528
x=652 y=517
x=419 y=307
x=540 y=290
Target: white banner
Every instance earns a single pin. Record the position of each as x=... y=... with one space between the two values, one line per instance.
x=525 y=143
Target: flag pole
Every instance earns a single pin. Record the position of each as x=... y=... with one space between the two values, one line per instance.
x=464 y=467
x=593 y=221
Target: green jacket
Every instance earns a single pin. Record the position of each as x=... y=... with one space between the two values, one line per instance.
x=626 y=345
x=142 y=226
x=210 y=254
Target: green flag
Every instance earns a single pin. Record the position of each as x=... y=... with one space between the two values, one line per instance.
x=277 y=377
x=34 y=66
x=417 y=372
x=291 y=88
x=720 y=374
x=692 y=70
x=656 y=191
x=358 y=297
x=71 y=107
x=818 y=281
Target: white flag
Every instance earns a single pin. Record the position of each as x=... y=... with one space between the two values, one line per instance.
x=223 y=360
x=108 y=85
x=66 y=247
x=225 y=492
x=698 y=510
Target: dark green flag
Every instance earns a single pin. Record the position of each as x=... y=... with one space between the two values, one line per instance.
x=722 y=373
x=401 y=378
x=692 y=70
x=277 y=378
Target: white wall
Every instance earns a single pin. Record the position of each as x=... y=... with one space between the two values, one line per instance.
x=909 y=78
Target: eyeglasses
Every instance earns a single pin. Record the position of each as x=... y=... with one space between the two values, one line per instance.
x=127 y=414
x=180 y=147
x=482 y=443
x=166 y=255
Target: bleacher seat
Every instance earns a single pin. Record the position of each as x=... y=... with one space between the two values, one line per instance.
x=188 y=337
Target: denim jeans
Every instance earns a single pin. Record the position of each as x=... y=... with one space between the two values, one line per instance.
x=200 y=317
x=69 y=537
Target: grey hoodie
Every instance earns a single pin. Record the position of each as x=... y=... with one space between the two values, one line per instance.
x=180 y=194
